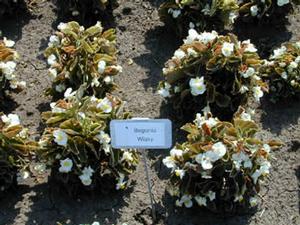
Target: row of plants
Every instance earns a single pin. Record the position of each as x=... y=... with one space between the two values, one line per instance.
x=75 y=144
x=222 y=163
x=221 y=14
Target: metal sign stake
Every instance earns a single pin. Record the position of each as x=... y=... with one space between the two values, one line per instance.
x=149 y=185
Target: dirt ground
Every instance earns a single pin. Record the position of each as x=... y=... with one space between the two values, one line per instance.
x=145 y=40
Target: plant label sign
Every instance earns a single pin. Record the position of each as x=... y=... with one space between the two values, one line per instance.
x=141 y=133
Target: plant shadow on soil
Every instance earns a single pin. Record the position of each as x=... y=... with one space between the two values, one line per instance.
x=11 y=26
x=277 y=116
x=106 y=17
x=45 y=205
x=265 y=36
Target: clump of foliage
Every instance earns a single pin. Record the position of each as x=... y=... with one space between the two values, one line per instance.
x=76 y=143
x=86 y=8
x=16 y=150
x=8 y=57
x=262 y=9
x=221 y=165
x=283 y=71
x=199 y=14
x=212 y=69
x=83 y=57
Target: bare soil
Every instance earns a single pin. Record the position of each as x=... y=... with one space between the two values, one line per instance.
x=145 y=40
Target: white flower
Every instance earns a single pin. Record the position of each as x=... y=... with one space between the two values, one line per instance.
x=297 y=60
x=88 y=171
x=176 y=13
x=103 y=137
x=11 y=120
x=211 y=195
x=206 y=10
x=282 y=2
x=95 y=82
x=207 y=37
x=239 y=158
x=176 y=153
x=250 y=47
x=244 y=89
x=254 y=10
x=246 y=116
x=187 y=201
x=81 y=115
x=197 y=86
x=23 y=175
x=95 y=223
x=127 y=156
x=264 y=169
x=176 y=89
x=105 y=105
x=191 y=25
x=56 y=109
x=232 y=17
x=267 y=148
x=169 y=162
x=40 y=167
x=61 y=138
x=108 y=79
x=68 y=93
x=278 y=52
x=284 y=75
x=53 y=41
x=118 y=68
x=65 y=165
x=253 y=201
x=220 y=149
x=249 y=72
x=8 y=69
x=180 y=173
x=292 y=66
x=60 y=88
x=257 y=93
x=193 y=35
x=191 y=52
x=207 y=158
x=121 y=184
x=201 y=200
x=8 y=43
x=227 y=49
x=51 y=59
x=75 y=13
x=101 y=66
x=179 y=54
x=200 y=120
x=85 y=180
x=53 y=73
x=204 y=160
x=164 y=92
x=62 y=26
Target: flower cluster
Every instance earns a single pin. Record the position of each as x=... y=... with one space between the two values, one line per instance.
x=82 y=57
x=199 y=14
x=221 y=165
x=283 y=71
x=212 y=69
x=76 y=142
x=259 y=9
x=16 y=151
x=86 y=8
x=8 y=64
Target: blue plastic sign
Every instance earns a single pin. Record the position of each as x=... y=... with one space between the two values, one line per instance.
x=141 y=133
